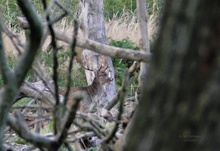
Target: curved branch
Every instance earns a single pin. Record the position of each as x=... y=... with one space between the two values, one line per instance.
x=105 y=49
x=22 y=130
x=36 y=33
x=101 y=48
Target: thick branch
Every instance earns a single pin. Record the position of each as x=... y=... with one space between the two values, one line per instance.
x=22 y=130
x=70 y=116
x=101 y=48
x=36 y=33
x=73 y=54
x=105 y=49
x=36 y=90
x=121 y=100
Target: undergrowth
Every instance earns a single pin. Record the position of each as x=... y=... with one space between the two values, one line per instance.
x=122 y=65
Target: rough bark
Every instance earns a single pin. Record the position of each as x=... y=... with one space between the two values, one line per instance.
x=93 y=27
x=180 y=105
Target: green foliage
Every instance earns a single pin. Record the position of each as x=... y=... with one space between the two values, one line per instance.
x=112 y=8
x=117 y=7
x=22 y=102
x=154 y=6
x=125 y=43
x=78 y=75
x=11 y=60
x=11 y=10
x=121 y=64
x=50 y=125
x=19 y=140
x=92 y=149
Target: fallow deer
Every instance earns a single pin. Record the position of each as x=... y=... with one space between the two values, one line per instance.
x=92 y=92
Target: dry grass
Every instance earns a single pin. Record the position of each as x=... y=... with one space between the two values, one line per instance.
x=117 y=29
x=127 y=27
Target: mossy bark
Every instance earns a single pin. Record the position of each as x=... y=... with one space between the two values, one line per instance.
x=180 y=106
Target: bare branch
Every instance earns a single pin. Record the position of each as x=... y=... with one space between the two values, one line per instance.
x=58 y=18
x=117 y=97
x=22 y=130
x=36 y=33
x=55 y=68
x=73 y=53
x=68 y=119
x=39 y=70
x=55 y=50
x=123 y=92
x=37 y=90
x=14 y=38
x=88 y=128
x=80 y=136
x=104 y=49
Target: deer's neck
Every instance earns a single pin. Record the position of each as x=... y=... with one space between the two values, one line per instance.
x=92 y=89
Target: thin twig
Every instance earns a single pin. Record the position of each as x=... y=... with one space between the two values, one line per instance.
x=80 y=136
x=13 y=37
x=58 y=18
x=68 y=119
x=119 y=117
x=31 y=107
x=38 y=121
x=55 y=50
x=23 y=132
x=73 y=54
x=88 y=128
x=55 y=68
x=90 y=119
x=38 y=69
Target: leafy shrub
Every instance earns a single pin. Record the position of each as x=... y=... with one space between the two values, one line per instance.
x=125 y=43
x=121 y=64
x=117 y=7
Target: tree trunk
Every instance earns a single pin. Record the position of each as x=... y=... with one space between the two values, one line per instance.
x=93 y=27
x=179 y=109
x=144 y=41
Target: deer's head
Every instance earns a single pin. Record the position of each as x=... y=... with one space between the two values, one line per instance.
x=102 y=74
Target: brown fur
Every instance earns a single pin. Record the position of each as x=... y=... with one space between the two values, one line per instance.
x=92 y=92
